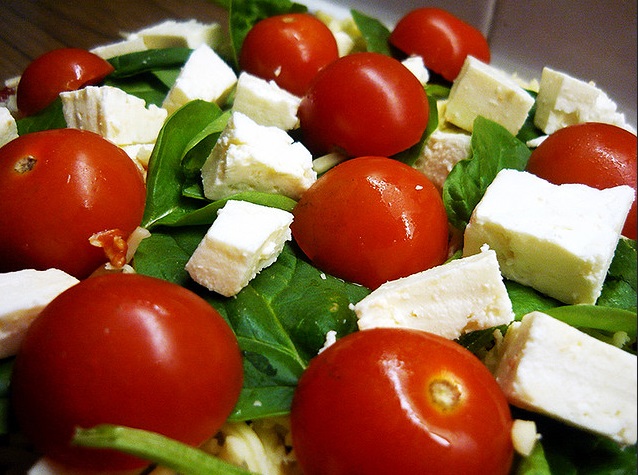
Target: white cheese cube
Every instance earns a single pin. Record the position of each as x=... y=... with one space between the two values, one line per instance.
x=133 y=44
x=441 y=152
x=454 y=298
x=8 y=126
x=244 y=239
x=205 y=76
x=482 y=90
x=558 y=239
x=119 y=117
x=23 y=295
x=563 y=100
x=180 y=34
x=417 y=67
x=265 y=102
x=253 y=157
x=550 y=367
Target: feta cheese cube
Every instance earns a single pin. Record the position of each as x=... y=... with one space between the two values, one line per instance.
x=180 y=34
x=482 y=90
x=454 y=298
x=441 y=152
x=205 y=76
x=253 y=157
x=8 y=126
x=550 y=367
x=133 y=44
x=417 y=67
x=558 y=239
x=23 y=295
x=265 y=102
x=563 y=100
x=244 y=239
x=119 y=117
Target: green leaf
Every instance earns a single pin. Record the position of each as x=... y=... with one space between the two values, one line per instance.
x=144 y=86
x=525 y=299
x=50 y=117
x=155 y=448
x=133 y=64
x=374 y=33
x=493 y=148
x=411 y=155
x=245 y=13
x=534 y=464
x=188 y=126
x=619 y=289
x=529 y=130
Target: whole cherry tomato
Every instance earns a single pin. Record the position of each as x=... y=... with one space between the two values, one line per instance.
x=595 y=154
x=364 y=104
x=372 y=219
x=289 y=49
x=59 y=70
x=441 y=39
x=399 y=401
x=57 y=189
x=124 y=349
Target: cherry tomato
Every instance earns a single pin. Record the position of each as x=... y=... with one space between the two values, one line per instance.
x=595 y=154
x=59 y=70
x=364 y=104
x=58 y=188
x=289 y=49
x=399 y=401
x=372 y=219
x=124 y=349
x=441 y=39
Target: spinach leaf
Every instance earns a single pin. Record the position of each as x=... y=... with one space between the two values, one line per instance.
x=51 y=117
x=411 y=155
x=493 y=148
x=619 y=289
x=245 y=13
x=146 y=86
x=529 y=130
x=525 y=299
x=183 y=130
x=132 y=64
x=374 y=33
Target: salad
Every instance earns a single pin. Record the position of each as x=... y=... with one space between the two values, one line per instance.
x=297 y=301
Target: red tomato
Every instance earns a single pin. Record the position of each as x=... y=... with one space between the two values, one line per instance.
x=441 y=39
x=595 y=154
x=364 y=104
x=59 y=187
x=59 y=70
x=370 y=220
x=124 y=349
x=289 y=49
x=400 y=401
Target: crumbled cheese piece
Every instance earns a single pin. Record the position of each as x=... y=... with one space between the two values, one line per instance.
x=417 y=67
x=129 y=45
x=8 y=126
x=482 y=90
x=119 y=117
x=205 y=76
x=244 y=239
x=253 y=157
x=180 y=34
x=563 y=100
x=441 y=152
x=449 y=300
x=550 y=367
x=23 y=295
x=557 y=239
x=265 y=102
x=524 y=436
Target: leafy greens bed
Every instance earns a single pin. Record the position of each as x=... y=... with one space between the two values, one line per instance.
x=281 y=319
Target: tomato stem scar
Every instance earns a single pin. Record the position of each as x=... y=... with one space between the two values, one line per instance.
x=25 y=164
x=445 y=394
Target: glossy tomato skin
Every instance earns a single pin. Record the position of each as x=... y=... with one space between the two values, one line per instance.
x=441 y=39
x=372 y=219
x=595 y=154
x=289 y=49
x=59 y=70
x=59 y=187
x=124 y=349
x=400 y=401
x=364 y=104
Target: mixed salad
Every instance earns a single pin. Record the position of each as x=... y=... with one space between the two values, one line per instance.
x=293 y=310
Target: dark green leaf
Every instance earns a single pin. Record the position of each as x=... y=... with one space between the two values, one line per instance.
x=49 y=118
x=411 y=155
x=619 y=289
x=132 y=64
x=529 y=131
x=374 y=33
x=525 y=299
x=493 y=149
x=144 y=86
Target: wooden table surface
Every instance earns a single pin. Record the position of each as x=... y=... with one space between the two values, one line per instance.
x=33 y=27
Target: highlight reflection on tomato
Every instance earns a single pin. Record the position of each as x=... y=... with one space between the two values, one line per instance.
x=399 y=401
